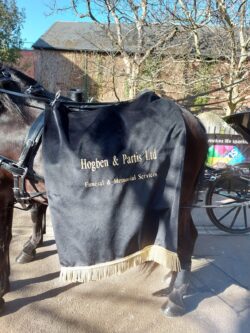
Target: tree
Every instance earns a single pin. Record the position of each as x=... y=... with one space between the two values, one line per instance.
x=207 y=40
x=10 y=27
x=225 y=25
x=234 y=17
x=133 y=27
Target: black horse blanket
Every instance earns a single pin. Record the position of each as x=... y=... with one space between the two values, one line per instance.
x=113 y=176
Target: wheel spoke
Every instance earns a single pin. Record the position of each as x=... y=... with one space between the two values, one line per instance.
x=245 y=216
x=235 y=217
x=227 y=213
x=227 y=195
x=228 y=190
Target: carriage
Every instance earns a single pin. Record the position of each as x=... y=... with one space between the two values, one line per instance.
x=227 y=189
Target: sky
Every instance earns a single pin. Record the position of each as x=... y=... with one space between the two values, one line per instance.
x=37 y=20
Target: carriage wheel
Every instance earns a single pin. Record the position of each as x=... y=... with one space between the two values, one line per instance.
x=228 y=190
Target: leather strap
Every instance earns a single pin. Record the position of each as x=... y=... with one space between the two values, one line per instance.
x=32 y=140
x=18 y=94
x=11 y=166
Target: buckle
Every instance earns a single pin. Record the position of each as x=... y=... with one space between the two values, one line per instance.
x=57 y=96
x=35 y=89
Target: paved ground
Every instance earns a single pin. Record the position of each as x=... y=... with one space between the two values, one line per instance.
x=219 y=299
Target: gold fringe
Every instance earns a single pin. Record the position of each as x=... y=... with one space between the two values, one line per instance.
x=154 y=253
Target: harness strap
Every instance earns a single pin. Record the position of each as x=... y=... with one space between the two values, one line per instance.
x=25 y=162
x=72 y=105
x=31 y=145
x=18 y=94
x=32 y=140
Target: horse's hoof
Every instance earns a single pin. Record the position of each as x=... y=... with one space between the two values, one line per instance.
x=24 y=258
x=171 y=309
x=1 y=305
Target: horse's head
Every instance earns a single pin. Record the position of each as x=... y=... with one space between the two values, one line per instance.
x=14 y=81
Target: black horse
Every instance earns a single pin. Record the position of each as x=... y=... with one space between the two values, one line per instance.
x=16 y=116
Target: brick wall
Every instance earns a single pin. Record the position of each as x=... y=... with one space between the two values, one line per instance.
x=26 y=63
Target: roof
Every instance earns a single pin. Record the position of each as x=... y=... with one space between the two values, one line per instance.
x=89 y=36
x=79 y=36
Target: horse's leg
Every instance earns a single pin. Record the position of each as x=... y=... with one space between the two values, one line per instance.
x=6 y=216
x=38 y=216
x=196 y=150
x=180 y=281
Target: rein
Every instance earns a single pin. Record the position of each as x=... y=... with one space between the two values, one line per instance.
x=71 y=104
x=23 y=95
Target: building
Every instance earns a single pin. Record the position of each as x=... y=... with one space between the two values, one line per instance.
x=81 y=55
x=78 y=55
